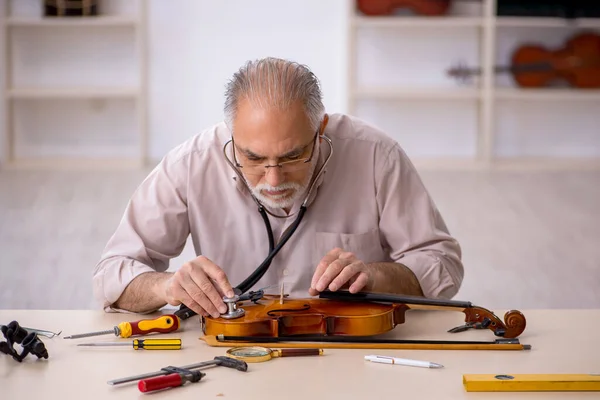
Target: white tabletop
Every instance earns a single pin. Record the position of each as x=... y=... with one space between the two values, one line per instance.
x=563 y=341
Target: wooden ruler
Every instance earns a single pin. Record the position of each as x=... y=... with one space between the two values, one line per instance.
x=532 y=382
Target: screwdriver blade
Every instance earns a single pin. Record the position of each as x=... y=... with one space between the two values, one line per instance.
x=105 y=344
x=82 y=335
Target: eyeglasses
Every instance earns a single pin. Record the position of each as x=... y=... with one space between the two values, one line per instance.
x=252 y=167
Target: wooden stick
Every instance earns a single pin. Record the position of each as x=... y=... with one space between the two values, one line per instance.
x=212 y=341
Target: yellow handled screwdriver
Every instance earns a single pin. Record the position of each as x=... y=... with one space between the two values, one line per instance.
x=164 y=324
x=146 y=344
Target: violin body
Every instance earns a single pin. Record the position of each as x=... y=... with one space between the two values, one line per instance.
x=308 y=317
x=345 y=314
x=577 y=63
x=387 y=7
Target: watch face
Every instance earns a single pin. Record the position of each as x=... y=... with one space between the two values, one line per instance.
x=250 y=351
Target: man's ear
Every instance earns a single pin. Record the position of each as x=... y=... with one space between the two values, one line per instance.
x=323 y=125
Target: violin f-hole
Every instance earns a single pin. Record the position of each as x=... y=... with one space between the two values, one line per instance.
x=271 y=313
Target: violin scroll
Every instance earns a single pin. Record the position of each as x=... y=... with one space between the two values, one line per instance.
x=513 y=325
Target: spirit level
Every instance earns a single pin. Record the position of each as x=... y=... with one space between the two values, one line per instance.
x=531 y=382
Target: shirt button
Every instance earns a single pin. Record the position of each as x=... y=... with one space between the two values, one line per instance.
x=286 y=272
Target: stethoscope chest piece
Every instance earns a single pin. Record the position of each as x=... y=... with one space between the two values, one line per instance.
x=232 y=309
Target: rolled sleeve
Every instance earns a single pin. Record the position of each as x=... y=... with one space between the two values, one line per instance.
x=113 y=276
x=413 y=229
x=440 y=277
x=153 y=230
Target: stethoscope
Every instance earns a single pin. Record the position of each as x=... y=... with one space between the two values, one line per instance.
x=184 y=312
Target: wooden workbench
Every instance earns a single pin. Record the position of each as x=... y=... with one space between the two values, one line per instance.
x=563 y=341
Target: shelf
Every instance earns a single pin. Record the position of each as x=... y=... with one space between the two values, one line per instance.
x=416 y=22
x=547 y=22
x=72 y=93
x=58 y=163
x=517 y=163
x=450 y=21
x=38 y=96
x=547 y=94
x=99 y=21
x=524 y=163
x=416 y=93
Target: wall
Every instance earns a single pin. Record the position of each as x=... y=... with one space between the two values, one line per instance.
x=2 y=82
x=193 y=48
x=195 y=45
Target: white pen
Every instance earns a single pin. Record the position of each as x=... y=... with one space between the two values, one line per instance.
x=402 y=361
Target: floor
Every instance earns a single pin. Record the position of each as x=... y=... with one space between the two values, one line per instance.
x=530 y=240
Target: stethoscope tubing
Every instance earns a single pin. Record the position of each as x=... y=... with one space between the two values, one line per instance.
x=184 y=312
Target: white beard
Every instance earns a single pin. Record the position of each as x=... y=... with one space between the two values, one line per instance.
x=281 y=202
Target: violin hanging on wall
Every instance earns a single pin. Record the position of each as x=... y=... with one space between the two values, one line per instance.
x=532 y=66
x=388 y=7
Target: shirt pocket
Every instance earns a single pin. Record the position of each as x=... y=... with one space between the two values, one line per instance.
x=366 y=246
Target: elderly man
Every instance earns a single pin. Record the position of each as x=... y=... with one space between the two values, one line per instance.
x=368 y=223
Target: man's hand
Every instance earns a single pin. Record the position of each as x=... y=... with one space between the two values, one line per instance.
x=338 y=269
x=199 y=284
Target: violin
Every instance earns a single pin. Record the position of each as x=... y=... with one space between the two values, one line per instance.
x=343 y=314
x=577 y=63
x=387 y=7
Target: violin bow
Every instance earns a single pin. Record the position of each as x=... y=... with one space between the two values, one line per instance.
x=351 y=342
x=477 y=317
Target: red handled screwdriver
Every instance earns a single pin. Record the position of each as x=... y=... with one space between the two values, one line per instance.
x=164 y=324
x=168 y=381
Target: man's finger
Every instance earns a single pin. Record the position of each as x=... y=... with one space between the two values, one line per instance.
x=361 y=281
x=332 y=271
x=318 y=273
x=198 y=296
x=197 y=284
x=206 y=288
x=217 y=275
x=345 y=275
x=325 y=261
x=186 y=299
x=218 y=289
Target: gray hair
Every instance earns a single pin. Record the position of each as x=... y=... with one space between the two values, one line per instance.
x=276 y=83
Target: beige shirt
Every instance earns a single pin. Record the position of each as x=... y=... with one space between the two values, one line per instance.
x=370 y=201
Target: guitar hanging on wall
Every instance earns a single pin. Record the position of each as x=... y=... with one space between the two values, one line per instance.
x=532 y=66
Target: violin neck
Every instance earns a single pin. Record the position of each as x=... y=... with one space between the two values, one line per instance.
x=392 y=298
x=501 y=69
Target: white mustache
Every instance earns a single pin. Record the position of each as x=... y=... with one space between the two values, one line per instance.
x=277 y=201
x=280 y=188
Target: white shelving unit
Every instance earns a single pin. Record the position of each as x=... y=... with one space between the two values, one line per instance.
x=392 y=83
x=87 y=105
